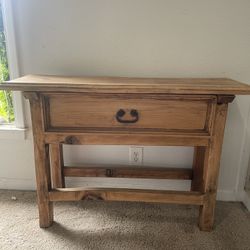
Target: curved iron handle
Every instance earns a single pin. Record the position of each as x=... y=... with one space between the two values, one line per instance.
x=121 y=112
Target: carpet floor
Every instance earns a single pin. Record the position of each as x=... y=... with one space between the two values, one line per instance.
x=101 y=225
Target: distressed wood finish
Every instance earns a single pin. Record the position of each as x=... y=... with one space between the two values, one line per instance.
x=198 y=166
x=155 y=113
x=186 y=86
x=56 y=157
x=128 y=172
x=111 y=194
x=166 y=112
x=150 y=139
x=211 y=166
x=42 y=164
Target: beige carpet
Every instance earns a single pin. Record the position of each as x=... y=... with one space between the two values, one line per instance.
x=119 y=225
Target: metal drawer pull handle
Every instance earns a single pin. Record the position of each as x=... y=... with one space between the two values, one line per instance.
x=133 y=113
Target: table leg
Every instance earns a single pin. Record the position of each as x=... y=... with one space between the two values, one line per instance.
x=43 y=181
x=42 y=165
x=198 y=167
x=206 y=169
x=56 y=156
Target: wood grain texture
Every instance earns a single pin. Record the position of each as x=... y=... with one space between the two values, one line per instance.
x=211 y=158
x=56 y=158
x=128 y=172
x=115 y=194
x=198 y=169
x=155 y=113
x=42 y=164
x=218 y=86
x=150 y=139
x=169 y=112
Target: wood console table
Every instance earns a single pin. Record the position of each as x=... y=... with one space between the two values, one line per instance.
x=127 y=111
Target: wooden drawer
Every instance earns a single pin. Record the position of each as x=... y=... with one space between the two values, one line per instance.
x=127 y=112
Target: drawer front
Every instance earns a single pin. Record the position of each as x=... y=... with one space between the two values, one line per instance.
x=128 y=112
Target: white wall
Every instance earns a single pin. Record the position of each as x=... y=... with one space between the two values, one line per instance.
x=162 y=38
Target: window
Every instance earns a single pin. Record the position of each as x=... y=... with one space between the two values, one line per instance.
x=6 y=99
x=11 y=103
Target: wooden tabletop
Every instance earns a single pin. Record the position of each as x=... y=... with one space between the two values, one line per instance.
x=128 y=85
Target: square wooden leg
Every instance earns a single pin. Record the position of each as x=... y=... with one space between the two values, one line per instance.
x=201 y=173
x=45 y=209
x=206 y=169
x=42 y=165
x=57 y=164
x=206 y=216
x=43 y=180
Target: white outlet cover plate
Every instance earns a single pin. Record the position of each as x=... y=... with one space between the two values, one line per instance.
x=136 y=155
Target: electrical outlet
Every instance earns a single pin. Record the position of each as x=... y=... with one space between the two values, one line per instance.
x=136 y=155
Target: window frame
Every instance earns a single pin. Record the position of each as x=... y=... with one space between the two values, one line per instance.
x=18 y=102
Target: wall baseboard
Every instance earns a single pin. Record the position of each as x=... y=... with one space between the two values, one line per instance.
x=17 y=184
x=246 y=199
x=227 y=195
